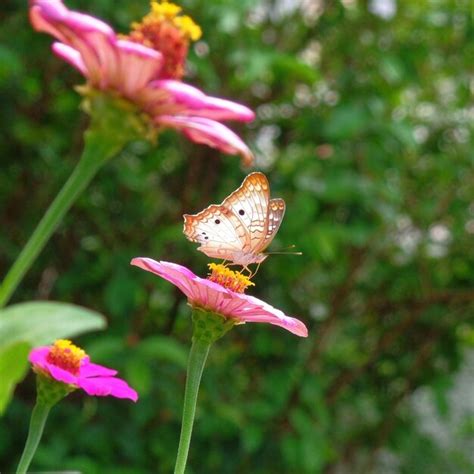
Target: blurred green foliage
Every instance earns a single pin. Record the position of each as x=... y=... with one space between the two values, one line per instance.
x=365 y=128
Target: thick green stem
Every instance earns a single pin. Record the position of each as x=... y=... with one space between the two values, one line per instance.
x=92 y=159
x=113 y=124
x=197 y=359
x=37 y=422
x=207 y=328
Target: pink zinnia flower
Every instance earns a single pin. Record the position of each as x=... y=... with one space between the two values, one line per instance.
x=67 y=363
x=222 y=294
x=145 y=68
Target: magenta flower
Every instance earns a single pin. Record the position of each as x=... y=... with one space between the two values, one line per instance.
x=145 y=68
x=224 y=295
x=67 y=363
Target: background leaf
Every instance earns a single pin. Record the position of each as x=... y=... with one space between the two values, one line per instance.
x=41 y=322
x=13 y=367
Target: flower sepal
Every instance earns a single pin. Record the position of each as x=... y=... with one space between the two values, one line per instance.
x=114 y=118
x=208 y=326
x=50 y=391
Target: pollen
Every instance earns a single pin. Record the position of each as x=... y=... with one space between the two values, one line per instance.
x=166 y=30
x=224 y=276
x=66 y=355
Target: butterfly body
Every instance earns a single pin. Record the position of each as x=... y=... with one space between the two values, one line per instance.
x=242 y=226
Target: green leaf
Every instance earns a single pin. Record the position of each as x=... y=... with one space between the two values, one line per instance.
x=39 y=322
x=13 y=367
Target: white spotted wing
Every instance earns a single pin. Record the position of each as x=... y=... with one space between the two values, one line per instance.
x=242 y=226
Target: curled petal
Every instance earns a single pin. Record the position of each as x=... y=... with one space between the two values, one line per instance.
x=70 y=55
x=91 y=37
x=209 y=132
x=95 y=40
x=44 y=16
x=194 y=102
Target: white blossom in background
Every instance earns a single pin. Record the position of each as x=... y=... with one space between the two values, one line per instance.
x=385 y=9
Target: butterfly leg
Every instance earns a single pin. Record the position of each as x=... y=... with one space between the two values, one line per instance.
x=244 y=267
x=251 y=273
x=256 y=270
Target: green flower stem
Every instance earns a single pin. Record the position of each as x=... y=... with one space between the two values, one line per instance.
x=85 y=170
x=48 y=393
x=197 y=359
x=113 y=125
x=207 y=328
x=37 y=422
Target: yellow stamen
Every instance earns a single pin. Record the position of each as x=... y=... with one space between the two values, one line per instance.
x=167 y=9
x=166 y=30
x=66 y=355
x=188 y=27
x=171 y=12
x=224 y=276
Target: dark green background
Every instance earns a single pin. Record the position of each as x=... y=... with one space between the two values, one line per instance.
x=365 y=128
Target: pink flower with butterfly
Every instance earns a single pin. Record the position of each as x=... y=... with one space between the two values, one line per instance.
x=144 y=67
x=238 y=230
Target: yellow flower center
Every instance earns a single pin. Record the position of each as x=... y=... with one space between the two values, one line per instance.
x=166 y=30
x=65 y=354
x=224 y=276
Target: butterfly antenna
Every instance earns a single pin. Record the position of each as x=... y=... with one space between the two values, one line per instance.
x=283 y=252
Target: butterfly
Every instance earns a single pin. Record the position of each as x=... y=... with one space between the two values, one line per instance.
x=242 y=226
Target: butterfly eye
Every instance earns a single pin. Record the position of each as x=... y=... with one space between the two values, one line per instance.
x=241 y=212
x=217 y=221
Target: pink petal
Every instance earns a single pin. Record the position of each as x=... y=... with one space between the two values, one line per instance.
x=195 y=102
x=95 y=40
x=44 y=15
x=92 y=38
x=38 y=356
x=176 y=274
x=261 y=312
x=138 y=66
x=105 y=386
x=70 y=55
x=61 y=375
x=95 y=370
x=208 y=132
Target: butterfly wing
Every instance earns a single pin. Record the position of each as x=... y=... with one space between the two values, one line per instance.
x=220 y=233
x=249 y=203
x=276 y=211
x=242 y=226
